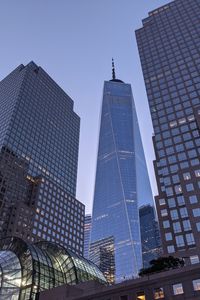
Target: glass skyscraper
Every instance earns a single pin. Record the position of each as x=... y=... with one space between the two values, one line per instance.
x=150 y=235
x=121 y=170
x=169 y=47
x=87 y=233
x=39 y=140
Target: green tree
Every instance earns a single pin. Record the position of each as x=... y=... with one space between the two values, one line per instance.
x=162 y=264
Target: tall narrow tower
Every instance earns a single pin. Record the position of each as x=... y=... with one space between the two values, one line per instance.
x=120 y=167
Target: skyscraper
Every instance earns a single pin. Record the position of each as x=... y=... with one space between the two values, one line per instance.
x=150 y=235
x=169 y=44
x=102 y=253
x=87 y=233
x=39 y=138
x=121 y=170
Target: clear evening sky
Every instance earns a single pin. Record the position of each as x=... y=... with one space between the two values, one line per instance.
x=74 y=41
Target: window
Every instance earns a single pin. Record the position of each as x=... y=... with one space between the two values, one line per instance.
x=198 y=226
x=196 y=212
x=197 y=173
x=196 y=284
x=180 y=241
x=183 y=212
x=161 y=201
x=164 y=212
x=194 y=259
x=186 y=225
x=158 y=293
x=193 y=199
x=186 y=176
x=168 y=236
x=181 y=200
x=177 y=227
x=170 y=249
x=141 y=296
x=171 y=202
x=166 y=224
x=178 y=189
x=178 y=289
x=189 y=187
x=190 y=239
x=174 y=214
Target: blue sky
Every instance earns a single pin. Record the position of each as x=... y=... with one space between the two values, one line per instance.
x=74 y=41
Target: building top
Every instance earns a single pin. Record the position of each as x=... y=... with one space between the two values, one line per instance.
x=113 y=74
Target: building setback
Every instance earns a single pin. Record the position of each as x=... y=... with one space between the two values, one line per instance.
x=39 y=138
x=121 y=179
x=169 y=44
x=150 y=235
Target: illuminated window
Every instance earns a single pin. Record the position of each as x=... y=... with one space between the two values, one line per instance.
x=194 y=259
x=141 y=296
x=178 y=289
x=164 y=212
x=186 y=176
x=162 y=201
x=159 y=293
x=196 y=284
x=197 y=173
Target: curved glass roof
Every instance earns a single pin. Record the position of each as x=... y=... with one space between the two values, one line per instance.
x=26 y=269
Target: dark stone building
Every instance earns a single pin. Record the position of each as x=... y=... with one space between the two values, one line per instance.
x=169 y=44
x=176 y=284
x=39 y=139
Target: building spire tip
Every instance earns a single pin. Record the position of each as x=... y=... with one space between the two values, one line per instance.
x=113 y=69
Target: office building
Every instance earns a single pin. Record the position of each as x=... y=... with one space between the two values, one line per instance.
x=150 y=235
x=169 y=44
x=27 y=269
x=87 y=232
x=39 y=138
x=182 y=283
x=102 y=253
x=121 y=179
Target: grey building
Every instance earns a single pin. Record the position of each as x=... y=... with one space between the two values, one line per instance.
x=150 y=235
x=87 y=233
x=102 y=253
x=39 y=138
x=122 y=181
x=169 y=44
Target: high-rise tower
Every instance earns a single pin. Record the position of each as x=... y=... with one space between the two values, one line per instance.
x=169 y=44
x=121 y=179
x=150 y=235
x=87 y=233
x=39 y=138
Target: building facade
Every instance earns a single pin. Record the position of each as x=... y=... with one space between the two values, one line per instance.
x=150 y=235
x=118 y=184
x=87 y=233
x=168 y=44
x=102 y=253
x=176 y=284
x=39 y=138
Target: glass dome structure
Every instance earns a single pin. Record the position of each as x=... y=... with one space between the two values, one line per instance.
x=27 y=269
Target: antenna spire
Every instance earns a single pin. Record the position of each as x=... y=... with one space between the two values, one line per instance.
x=113 y=70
